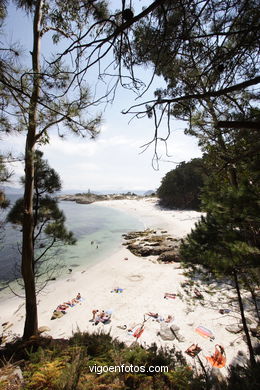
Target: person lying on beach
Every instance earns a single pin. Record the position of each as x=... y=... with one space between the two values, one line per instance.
x=62 y=307
x=103 y=317
x=198 y=293
x=151 y=314
x=169 y=319
x=117 y=290
x=169 y=295
x=156 y=316
x=69 y=303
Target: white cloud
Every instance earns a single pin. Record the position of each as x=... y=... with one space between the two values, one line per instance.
x=70 y=146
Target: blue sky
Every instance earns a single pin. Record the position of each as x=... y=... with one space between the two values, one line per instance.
x=113 y=161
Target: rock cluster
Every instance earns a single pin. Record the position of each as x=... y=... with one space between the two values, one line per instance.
x=151 y=243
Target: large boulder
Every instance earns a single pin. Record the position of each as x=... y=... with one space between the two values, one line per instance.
x=175 y=329
x=165 y=332
x=237 y=328
x=169 y=256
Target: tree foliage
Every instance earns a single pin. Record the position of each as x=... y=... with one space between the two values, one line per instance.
x=181 y=187
x=41 y=97
x=227 y=241
x=49 y=231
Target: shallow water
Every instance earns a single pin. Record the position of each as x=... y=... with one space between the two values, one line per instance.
x=98 y=230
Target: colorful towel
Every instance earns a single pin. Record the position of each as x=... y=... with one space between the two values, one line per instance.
x=138 y=333
x=218 y=359
x=204 y=332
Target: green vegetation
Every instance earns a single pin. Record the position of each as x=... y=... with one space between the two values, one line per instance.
x=65 y=365
x=226 y=241
x=49 y=231
x=71 y=364
x=208 y=55
x=181 y=187
x=38 y=97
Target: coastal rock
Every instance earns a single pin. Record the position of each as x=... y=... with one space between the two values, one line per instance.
x=149 y=243
x=87 y=198
x=144 y=250
x=169 y=256
x=175 y=329
x=255 y=331
x=165 y=332
x=234 y=328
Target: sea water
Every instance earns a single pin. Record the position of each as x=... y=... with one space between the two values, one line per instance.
x=98 y=230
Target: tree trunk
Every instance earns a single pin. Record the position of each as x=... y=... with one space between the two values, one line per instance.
x=241 y=307
x=31 y=320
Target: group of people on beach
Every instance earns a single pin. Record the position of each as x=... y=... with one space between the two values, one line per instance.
x=100 y=316
x=61 y=309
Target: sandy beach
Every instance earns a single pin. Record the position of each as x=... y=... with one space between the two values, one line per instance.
x=144 y=283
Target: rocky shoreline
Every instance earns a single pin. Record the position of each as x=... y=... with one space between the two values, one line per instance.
x=88 y=198
x=152 y=243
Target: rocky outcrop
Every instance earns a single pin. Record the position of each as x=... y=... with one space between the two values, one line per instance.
x=169 y=256
x=87 y=198
x=150 y=243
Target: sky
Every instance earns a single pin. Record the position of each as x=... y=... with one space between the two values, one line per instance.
x=113 y=161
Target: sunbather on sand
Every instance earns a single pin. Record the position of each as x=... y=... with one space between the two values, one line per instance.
x=169 y=295
x=105 y=318
x=198 y=293
x=69 y=303
x=169 y=318
x=101 y=317
x=62 y=307
x=154 y=315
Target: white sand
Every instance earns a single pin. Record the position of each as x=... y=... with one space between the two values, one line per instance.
x=144 y=283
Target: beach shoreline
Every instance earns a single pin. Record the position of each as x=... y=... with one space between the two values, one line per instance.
x=144 y=282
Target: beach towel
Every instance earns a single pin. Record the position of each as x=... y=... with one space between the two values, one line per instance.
x=57 y=314
x=204 y=332
x=218 y=359
x=193 y=350
x=117 y=290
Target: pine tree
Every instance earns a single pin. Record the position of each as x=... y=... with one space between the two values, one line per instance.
x=49 y=231
x=40 y=98
x=180 y=188
x=227 y=240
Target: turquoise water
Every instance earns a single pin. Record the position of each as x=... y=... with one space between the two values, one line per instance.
x=98 y=230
